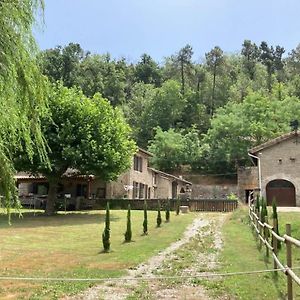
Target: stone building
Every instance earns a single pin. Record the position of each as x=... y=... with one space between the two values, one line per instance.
x=139 y=182
x=276 y=173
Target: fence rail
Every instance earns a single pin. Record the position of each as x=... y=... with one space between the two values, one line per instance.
x=270 y=239
x=217 y=205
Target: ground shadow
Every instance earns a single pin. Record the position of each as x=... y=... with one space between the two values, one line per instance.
x=39 y=219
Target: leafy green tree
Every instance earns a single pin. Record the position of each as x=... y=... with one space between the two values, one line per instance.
x=158 y=219
x=128 y=233
x=22 y=89
x=148 y=71
x=83 y=134
x=239 y=126
x=106 y=232
x=145 y=222
x=167 y=147
x=62 y=63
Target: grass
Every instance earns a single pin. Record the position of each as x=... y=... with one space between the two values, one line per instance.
x=241 y=253
x=70 y=246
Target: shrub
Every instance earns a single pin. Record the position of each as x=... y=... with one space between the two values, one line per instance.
x=145 y=223
x=158 y=219
x=168 y=211
x=128 y=233
x=106 y=232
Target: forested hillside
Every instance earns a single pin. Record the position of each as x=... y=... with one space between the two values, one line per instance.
x=202 y=112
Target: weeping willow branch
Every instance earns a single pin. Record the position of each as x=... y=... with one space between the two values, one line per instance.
x=22 y=90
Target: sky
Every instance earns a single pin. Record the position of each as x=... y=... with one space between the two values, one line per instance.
x=129 y=28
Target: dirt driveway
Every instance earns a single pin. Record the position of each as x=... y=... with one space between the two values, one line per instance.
x=195 y=253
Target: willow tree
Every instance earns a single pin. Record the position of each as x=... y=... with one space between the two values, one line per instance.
x=22 y=88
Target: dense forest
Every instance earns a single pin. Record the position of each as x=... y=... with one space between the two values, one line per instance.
x=201 y=113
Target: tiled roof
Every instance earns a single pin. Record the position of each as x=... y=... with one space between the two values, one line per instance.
x=170 y=176
x=273 y=142
x=145 y=152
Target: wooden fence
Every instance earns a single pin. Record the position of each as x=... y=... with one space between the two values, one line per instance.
x=270 y=239
x=217 y=205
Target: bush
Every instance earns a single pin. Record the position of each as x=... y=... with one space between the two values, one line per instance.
x=128 y=233
x=106 y=232
x=158 y=219
x=145 y=223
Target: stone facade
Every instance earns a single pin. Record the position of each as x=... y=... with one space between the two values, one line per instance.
x=278 y=161
x=143 y=182
x=247 y=182
x=139 y=182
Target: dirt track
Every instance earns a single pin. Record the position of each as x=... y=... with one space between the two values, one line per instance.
x=204 y=226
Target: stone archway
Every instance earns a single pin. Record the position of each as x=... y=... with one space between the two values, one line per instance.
x=283 y=191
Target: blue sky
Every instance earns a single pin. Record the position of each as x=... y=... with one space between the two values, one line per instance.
x=161 y=27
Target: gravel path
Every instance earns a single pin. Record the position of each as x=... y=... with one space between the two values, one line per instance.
x=121 y=289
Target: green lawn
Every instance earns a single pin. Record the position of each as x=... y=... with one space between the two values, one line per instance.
x=70 y=246
x=241 y=253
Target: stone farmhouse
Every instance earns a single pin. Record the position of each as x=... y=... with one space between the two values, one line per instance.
x=139 y=182
x=276 y=173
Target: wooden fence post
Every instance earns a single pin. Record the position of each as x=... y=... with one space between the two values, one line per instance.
x=289 y=262
x=275 y=244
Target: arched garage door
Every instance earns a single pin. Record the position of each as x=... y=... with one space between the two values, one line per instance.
x=283 y=191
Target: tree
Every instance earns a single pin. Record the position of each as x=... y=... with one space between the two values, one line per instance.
x=168 y=211
x=106 y=232
x=145 y=222
x=239 y=126
x=158 y=219
x=214 y=61
x=128 y=233
x=62 y=63
x=83 y=134
x=22 y=91
x=148 y=71
x=167 y=148
x=184 y=61
x=250 y=53
x=272 y=59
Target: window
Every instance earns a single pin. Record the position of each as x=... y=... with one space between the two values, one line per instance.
x=138 y=163
x=142 y=191
x=81 y=190
x=154 y=179
x=135 y=190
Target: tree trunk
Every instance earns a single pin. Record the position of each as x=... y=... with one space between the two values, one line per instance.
x=182 y=78
x=50 y=205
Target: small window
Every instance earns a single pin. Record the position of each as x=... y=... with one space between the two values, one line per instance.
x=138 y=163
x=135 y=190
x=142 y=191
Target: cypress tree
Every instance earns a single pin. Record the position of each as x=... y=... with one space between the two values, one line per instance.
x=145 y=223
x=177 y=206
x=128 y=233
x=158 y=219
x=106 y=232
x=257 y=205
x=275 y=217
x=264 y=211
x=168 y=211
